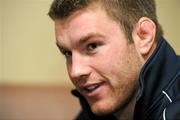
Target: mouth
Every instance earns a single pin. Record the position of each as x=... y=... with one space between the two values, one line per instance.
x=92 y=90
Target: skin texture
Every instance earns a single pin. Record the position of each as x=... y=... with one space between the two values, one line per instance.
x=98 y=53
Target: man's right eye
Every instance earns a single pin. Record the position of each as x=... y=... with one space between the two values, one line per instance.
x=67 y=54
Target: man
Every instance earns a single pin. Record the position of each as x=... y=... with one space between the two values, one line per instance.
x=117 y=59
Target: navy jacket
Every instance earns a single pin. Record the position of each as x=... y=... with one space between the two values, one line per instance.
x=159 y=97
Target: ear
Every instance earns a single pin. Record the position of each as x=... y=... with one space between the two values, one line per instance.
x=144 y=36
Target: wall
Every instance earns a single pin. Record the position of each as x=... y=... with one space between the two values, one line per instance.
x=30 y=56
x=169 y=17
x=1 y=41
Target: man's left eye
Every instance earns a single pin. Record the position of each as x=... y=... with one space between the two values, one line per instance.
x=92 y=46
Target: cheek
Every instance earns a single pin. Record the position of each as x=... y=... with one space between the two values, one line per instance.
x=103 y=65
x=110 y=63
x=117 y=66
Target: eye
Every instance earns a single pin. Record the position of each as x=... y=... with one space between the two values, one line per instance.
x=91 y=46
x=67 y=54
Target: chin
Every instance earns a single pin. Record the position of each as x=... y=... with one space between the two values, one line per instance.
x=102 y=112
x=101 y=108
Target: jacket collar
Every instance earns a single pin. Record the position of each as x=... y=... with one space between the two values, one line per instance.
x=157 y=73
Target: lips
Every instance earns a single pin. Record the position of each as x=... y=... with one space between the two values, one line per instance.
x=91 y=90
x=91 y=87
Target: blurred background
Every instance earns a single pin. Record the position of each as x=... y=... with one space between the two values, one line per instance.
x=33 y=80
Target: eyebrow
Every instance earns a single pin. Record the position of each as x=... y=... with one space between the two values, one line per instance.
x=81 y=41
x=61 y=48
x=58 y=45
x=85 y=38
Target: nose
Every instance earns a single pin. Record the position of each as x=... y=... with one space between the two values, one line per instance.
x=79 y=68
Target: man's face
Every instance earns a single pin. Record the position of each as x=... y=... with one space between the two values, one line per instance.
x=101 y=63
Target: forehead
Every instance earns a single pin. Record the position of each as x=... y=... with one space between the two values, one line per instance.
x=78 y=20
x=85 y=22
x=84 y=17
